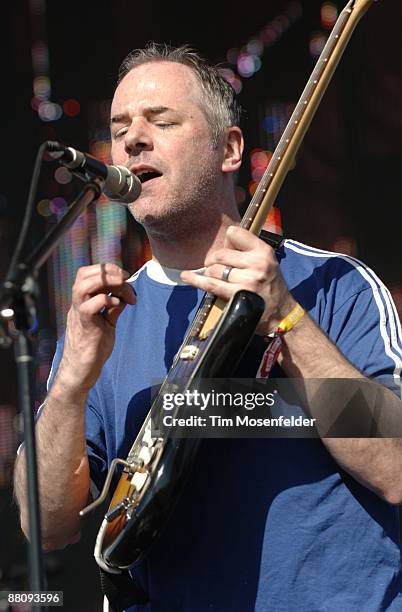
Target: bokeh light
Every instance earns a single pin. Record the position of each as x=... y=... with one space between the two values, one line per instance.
x=317 y=43
x=231 y=78
x=247 y=60
x=346 y=245
x=237 y=85
x=43 y=208
x=240 y=195
x=49 y=111
x=268 y=35
x=227 y=74
x=273 y=222
x=40 y=57
x=41 y=87
x=101 y=150
x=35 y=103
x=255 y=46
x=257 y=173
x=58 y=205
x=260 y=158
x=252 y=186
x=259 y=161
x=63 y=175
x=232 y=55
x=71 y=107
x=280 y=24
x=248 y=64
x=329 y=14
x=268 y=124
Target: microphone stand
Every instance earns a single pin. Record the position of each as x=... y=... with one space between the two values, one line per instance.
x=19 y=295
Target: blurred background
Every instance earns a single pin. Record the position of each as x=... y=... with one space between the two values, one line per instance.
x=59 y=63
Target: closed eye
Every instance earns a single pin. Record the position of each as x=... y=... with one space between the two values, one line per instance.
x=120 y=133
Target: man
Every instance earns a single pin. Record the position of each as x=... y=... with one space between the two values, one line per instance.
x=276 y=525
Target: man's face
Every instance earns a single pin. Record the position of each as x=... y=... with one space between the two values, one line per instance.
x=160 y=132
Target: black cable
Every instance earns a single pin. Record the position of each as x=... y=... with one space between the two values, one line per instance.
x=28 y=212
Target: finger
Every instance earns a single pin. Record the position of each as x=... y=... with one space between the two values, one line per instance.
x=243 y=240
x=104 y=307
x=218 y=287
x=124 y=292
x=101 y=269
x=97 y=304
x=109 y=284
x=229 y=257
x=90 y=279
x=236 y=275
x=112 y=314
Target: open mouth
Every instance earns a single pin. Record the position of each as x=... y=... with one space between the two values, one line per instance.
x=148 y=176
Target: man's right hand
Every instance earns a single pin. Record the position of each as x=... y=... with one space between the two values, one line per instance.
x=100 y=294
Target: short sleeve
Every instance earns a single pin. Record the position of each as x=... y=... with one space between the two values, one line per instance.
x=96 y=443
x=367 y=331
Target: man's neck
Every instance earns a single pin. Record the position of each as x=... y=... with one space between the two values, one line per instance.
x=189 y=251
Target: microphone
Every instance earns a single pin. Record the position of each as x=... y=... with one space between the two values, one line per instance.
x=120 y=185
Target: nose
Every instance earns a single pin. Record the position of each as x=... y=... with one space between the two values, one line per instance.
x=138 y=138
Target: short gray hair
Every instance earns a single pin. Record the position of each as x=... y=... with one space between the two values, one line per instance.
x=219 y=100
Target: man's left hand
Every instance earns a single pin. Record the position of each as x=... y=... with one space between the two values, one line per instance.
x=253 y=266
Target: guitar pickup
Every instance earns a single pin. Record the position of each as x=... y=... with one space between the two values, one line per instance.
x=146 y=454
x=139 y=479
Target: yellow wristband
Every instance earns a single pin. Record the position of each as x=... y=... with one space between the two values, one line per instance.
x=291 y=319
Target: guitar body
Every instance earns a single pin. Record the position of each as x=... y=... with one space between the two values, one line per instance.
x=127 y=537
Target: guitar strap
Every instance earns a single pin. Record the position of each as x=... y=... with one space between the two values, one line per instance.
x=121 y=590
x=274 y=240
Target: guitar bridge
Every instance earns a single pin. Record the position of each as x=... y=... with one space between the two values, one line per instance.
x=129 y=468
x=117 y=510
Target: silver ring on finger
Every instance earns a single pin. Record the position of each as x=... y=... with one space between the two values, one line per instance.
x=226 y=273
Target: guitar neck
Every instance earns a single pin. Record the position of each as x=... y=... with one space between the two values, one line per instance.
x=285 y=152
x=282 y=159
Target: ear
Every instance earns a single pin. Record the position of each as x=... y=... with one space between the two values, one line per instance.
x=232 y=149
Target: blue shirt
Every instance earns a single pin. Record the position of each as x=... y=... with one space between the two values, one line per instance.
x=272 y=525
